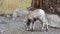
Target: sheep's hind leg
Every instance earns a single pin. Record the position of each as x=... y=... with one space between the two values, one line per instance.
x=47 y=27
x=34 y=19
x=45 y=22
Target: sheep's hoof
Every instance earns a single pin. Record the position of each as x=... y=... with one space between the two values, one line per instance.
x=29 y=29
x=42 y=30
x=46 y=29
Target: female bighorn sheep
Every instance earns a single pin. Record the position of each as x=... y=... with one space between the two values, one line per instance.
x=33 y=16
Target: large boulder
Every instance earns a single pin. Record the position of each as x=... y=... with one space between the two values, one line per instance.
x=54 y=20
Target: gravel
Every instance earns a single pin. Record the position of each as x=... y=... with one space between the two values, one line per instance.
x=8 y=26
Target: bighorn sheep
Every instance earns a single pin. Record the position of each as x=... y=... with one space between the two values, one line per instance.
x=33 y=16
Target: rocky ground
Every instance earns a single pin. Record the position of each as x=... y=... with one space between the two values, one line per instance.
x=8 y=26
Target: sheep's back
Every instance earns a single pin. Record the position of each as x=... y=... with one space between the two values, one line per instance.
x=36 y=13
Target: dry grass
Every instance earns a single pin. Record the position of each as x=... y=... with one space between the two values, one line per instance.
x=8 y=6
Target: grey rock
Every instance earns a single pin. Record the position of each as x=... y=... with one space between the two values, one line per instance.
x=54 y=20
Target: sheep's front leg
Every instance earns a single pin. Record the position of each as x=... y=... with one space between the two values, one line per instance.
x=32 y=24
x=29 y=24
